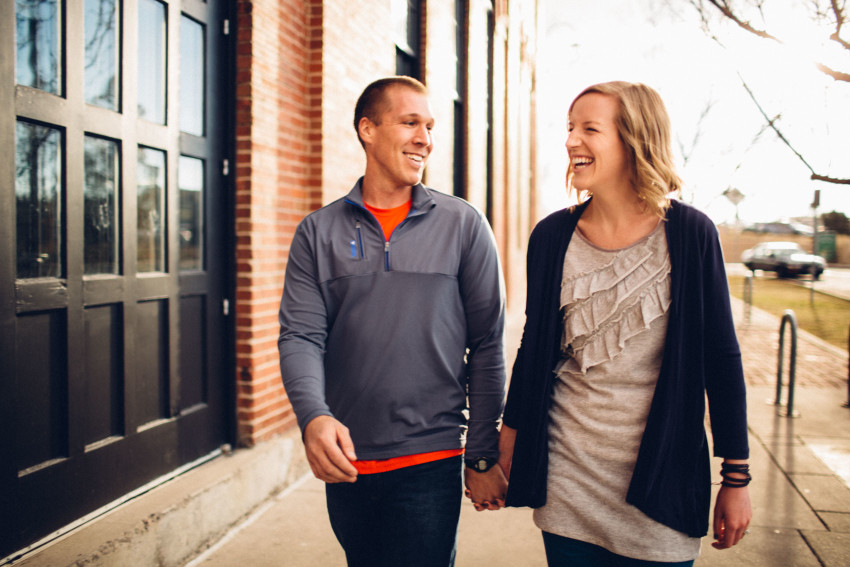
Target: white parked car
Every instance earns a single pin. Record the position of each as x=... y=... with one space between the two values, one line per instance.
x=787 y=259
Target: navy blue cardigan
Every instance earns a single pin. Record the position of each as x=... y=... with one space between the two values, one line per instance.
x=671 y=482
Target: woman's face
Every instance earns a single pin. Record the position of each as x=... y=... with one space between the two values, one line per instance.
x=598 y=157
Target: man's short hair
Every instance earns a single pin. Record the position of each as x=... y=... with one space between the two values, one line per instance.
x=373 y=102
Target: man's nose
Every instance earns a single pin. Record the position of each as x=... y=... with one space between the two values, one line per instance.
x=423 y=135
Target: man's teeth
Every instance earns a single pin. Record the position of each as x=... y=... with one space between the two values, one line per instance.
x=414 y=157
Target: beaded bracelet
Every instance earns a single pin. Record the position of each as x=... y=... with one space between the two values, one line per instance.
x=727 y=469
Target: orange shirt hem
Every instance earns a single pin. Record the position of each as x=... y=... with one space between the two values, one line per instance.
x=386 y=465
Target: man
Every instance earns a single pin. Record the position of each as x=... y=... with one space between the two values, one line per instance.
x=392 y=317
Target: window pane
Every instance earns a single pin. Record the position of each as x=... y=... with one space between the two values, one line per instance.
x=413 y=21
x=101 y=85
x=190 y=178
x=406 y=21
x=150 y=206
x=192 y=67
x=152 y=61
x=38 y=200
x=401 y=17
x=38 y=27
x=101 y=210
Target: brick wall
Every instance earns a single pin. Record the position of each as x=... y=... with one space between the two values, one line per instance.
x=358 y=49
x=278 y=172
x=301 y=66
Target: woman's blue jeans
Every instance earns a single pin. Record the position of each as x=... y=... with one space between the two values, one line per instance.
x=565 y=552
x=406 y=517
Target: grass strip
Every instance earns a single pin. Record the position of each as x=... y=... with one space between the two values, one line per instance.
x=827 y=317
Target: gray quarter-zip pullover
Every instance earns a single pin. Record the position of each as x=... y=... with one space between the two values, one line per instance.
x=392 y=337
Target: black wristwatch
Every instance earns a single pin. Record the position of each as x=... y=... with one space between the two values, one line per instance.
x=480 y=464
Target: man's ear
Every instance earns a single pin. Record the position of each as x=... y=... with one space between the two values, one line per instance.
x=366 y=129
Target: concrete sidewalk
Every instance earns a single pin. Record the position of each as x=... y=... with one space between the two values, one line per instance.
x=232 y=512
x=801 y=470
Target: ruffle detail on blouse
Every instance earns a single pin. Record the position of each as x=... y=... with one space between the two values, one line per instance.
x=580 y=286
x=607 y=306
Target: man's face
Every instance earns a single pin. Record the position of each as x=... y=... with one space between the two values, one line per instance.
x=397 y=149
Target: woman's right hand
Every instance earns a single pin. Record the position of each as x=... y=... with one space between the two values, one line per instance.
x=507 y=438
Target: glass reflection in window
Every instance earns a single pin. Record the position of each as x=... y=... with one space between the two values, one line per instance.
x=150 y=208
x=100 y=230
x=38 y=200
x=190 y=179
x=151 y=89
x=101 y=28
x=192 y=66
x=38 y=31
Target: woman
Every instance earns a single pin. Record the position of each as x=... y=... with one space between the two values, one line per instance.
x=628 y=326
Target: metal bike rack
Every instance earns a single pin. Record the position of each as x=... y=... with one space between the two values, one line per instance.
x=790 y=318
x=847 y=403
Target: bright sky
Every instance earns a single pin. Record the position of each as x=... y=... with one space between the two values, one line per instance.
x=661 y=43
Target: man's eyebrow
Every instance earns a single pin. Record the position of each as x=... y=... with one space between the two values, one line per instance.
x=417 y=116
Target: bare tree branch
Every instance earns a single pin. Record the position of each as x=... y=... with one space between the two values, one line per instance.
x=725 y=8
x=840 y=20
x=828 y=179
x=837 y=75
x=687 y=153
x=772 y=123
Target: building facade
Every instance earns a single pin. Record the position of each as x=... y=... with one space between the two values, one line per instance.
x=164 y=152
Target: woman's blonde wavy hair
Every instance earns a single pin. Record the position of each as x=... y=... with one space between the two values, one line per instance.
x=644 y=128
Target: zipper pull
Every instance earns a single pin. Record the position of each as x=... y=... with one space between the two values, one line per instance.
x=359 y=241
x=387 y=254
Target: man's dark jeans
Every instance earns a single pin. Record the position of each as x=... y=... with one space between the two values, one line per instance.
x=403 y=517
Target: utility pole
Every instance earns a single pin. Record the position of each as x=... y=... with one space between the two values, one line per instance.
x=815 y=205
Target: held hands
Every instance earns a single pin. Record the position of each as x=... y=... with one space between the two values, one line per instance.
x=330 y=450
x=486 y=489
